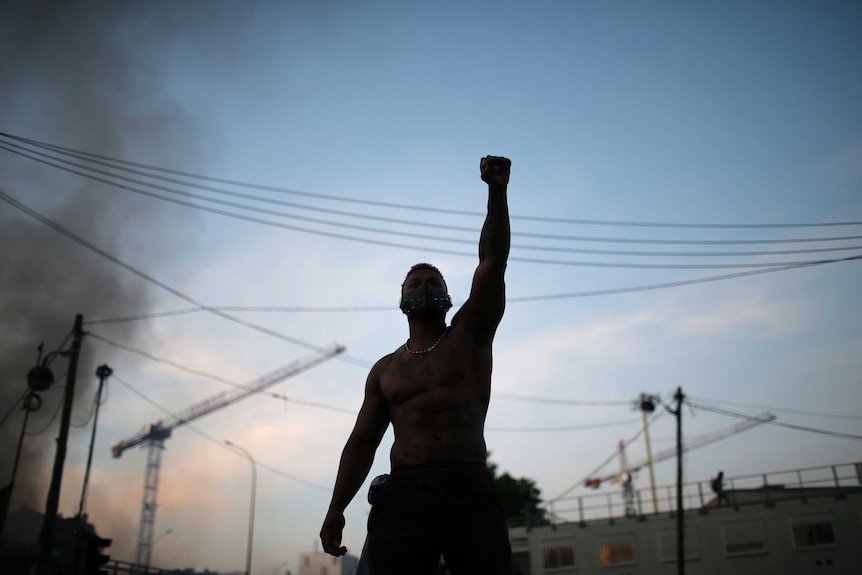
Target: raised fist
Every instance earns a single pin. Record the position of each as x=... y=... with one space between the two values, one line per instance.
x=495 y=170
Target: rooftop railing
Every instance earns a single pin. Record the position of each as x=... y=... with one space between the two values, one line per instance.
x=762 y=489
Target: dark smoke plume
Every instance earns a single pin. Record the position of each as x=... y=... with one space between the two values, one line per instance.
x=78 y=75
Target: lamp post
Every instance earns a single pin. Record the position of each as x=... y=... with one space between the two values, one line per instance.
x=32 y=402
x=103 y=372
x=159 y=538
x=250 y=543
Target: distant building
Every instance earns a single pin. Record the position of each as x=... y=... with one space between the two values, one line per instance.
x=801 y=521
x=319 y=563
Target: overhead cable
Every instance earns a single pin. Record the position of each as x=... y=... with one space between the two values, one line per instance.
x=92 y=247
x=211 y=438
x=342 y=225
x=14 y=407
x=249 y=185
x=555 y=429
x=336 y=235
x=591 y=293
x=775 y=422
x=556 y=401
x=602 y=465
x=779 y=409
x=217 y=378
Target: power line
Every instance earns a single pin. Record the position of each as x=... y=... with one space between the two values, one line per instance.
x=502 y=395
x=563 y=427
x=680 y=283
x=209 y=437
x=216 y=378
x=50 y=421
x=409 y=222
x=591 y=293
x=602 y=465
x=284 y=309
x=342 y=225
x=92 y=247
x=556 y=401
x=775 y=422
x=342 y=236
x=14 y=407
x=164 y=361
x=779 y=409
x=91 y=156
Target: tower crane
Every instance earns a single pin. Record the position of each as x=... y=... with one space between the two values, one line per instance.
x=624 y=475
x=153 y=436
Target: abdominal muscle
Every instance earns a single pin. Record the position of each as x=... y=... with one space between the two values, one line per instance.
x=442 y=426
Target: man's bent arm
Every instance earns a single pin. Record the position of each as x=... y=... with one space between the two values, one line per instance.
x=356 y=460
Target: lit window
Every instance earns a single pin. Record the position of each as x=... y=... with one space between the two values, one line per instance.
x=617 y=550
x=557 y=554
x=813 y=531
x=743 y=538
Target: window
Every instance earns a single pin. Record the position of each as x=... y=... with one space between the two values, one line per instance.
x=667 y=545
x=617 y=550
x=813 y=531
x=743 y=538
x=557 y=554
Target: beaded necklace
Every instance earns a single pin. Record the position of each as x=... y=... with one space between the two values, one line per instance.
x=429 y=349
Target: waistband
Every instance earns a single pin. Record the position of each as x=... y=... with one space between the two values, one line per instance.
x=453 y=466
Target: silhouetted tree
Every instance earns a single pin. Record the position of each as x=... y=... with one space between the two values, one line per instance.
x=520 y=497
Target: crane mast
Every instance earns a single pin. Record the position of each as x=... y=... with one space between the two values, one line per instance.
x=153 y=436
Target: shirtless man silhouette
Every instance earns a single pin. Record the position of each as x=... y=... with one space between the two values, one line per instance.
x=439 y=498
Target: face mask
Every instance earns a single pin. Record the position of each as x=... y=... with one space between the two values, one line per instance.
x=425 y=301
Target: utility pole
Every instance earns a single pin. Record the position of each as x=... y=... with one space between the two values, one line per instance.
x=680 y=512
x=46 y=536
x=103 y=372
x=647 y=406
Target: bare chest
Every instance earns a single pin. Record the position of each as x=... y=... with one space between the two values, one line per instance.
x=410 y=376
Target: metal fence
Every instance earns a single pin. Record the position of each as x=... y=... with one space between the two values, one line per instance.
x=115 y=567
x=763 y=488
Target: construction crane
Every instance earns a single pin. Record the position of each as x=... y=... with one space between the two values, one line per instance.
x=624 y=475
x=154 y=435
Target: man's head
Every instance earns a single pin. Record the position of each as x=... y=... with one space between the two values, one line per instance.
x=424 y=293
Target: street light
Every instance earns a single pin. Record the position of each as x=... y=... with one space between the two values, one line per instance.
x=162 y=536
x=159 y=538
x=251 y=505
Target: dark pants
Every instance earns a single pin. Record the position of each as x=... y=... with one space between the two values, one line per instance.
x=419 y=515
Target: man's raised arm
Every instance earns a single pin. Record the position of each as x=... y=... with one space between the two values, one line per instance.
x=488 y=293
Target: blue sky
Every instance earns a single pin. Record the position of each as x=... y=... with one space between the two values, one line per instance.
x=668 y=113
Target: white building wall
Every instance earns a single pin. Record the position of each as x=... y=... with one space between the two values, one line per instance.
x=753 y=539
